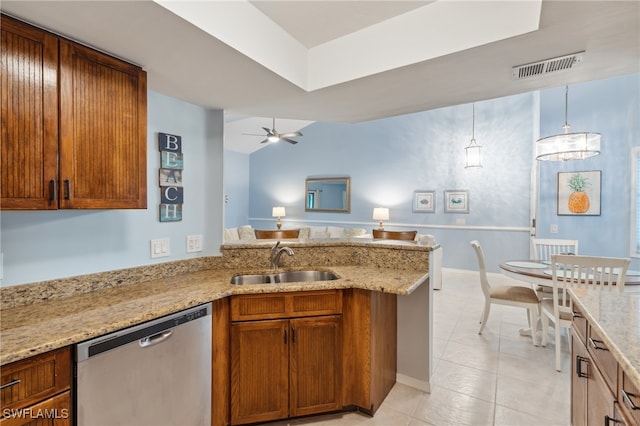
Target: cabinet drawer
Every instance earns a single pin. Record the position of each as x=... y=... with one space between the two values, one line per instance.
x=285 y=305
x=580 y=324
x=629 y=398
x=603 y=358
x=54 y=411
x=34 y=379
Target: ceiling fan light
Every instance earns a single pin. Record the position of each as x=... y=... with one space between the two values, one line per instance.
x=273 y=138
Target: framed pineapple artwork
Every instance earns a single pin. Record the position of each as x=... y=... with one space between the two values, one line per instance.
x=579 y=193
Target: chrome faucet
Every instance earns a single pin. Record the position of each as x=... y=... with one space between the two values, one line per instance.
x=276 y=252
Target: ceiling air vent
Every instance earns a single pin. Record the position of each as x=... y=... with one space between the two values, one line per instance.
x=547 y=66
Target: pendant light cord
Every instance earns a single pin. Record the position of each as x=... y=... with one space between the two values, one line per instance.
x=566 y=109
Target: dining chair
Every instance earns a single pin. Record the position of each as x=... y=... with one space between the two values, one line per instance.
x=570 y=271
x=511 y=295
x=543 y=248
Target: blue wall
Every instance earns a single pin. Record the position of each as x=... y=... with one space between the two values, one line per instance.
x=390 y=158
x=236 y=189
x=612 y=108
x=43 y=245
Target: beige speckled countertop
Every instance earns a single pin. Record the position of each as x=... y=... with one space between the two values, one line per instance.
x=42 y=323
x=616 y=318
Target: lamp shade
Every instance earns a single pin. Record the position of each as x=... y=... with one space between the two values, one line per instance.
x=568 y=146
x=381 y=213
x=278 y=212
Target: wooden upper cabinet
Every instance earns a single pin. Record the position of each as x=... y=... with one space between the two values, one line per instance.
x=103 y=130
x=29 y=115
x=74 y=125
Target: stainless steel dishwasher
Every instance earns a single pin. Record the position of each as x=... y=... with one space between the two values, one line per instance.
x=156 y=373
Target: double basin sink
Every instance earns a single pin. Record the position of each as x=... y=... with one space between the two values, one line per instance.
x=284 y=277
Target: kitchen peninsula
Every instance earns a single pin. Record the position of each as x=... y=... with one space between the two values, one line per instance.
x=42 y=317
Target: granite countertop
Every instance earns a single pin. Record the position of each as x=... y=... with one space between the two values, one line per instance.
x=39 y=327
x=616 y=318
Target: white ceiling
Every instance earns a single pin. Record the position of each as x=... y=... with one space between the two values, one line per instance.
x=346 y=61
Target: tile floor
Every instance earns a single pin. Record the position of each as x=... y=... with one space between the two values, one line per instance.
x=497 y=378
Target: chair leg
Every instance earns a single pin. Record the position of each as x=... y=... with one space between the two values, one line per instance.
x=558 y=346
x=533 y=323
x=485 y=315
x=545 y=329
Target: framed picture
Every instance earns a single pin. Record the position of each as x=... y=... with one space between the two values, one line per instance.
x=579 y=193
x=456 y=201
x=424 y=202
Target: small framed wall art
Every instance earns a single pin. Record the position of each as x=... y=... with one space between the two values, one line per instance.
x=456 y=201
x=424 y=201
x=579 y=193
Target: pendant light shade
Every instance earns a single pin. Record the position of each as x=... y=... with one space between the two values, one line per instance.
x=568 y=146
x=473 y=152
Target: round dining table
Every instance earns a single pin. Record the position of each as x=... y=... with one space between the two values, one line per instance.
x=536 y=272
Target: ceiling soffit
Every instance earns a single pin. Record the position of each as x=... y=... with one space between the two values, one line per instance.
x=433 y=30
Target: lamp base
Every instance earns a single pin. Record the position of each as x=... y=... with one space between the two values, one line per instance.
x=279 y=224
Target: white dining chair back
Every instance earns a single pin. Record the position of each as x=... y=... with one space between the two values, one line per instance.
x=543 y=248
x=570 y=271
x=512 y=295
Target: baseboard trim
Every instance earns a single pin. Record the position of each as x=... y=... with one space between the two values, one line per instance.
x=413 y=382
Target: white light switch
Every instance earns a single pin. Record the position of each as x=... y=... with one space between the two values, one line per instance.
x=160 y=248
x=194 y=243
x=554 y=228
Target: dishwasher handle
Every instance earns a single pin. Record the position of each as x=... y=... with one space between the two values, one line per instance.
x=145 y=342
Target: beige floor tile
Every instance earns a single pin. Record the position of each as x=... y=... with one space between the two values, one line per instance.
x=509 y=417
x=466 y=380
x=445 y=407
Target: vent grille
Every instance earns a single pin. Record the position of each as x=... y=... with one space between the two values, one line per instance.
x=547 y=66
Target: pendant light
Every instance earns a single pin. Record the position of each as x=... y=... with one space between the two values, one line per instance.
x=568 y=146
x=473 y=152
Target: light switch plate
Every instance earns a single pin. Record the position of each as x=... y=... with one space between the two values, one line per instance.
x=160 y=248
x=554 y=228
x=194 y=243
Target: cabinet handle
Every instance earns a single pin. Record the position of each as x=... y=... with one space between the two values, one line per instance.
x=626 y=396
x=577 y=315
x=594 y=344
x=608 y=420
x=579 y=361
x=285 y=337
x=52 y=190
x=293 y=334
x=67 y=189
x=11 y=383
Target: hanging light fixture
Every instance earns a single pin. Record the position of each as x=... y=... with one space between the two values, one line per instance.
x=568 y=146
x=473 y=152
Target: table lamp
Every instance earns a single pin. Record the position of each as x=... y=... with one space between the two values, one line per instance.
x=278 y=212
x=380 y=213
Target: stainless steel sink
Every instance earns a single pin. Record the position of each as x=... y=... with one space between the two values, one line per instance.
x=284 y=277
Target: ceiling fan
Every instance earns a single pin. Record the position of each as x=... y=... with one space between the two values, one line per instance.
x=273 y=135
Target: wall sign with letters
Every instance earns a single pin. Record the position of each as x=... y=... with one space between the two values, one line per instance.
x=170 y=177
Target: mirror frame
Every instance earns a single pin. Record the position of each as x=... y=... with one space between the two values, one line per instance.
x=345 y=180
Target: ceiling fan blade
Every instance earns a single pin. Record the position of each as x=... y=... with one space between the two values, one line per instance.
x=265 y=141
x=290 y=135
x=252 y=134
x=269 y=131
x=288 y=140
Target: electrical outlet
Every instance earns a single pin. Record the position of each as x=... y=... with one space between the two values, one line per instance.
x=460 y=221
x=160 y=248
x=194 y=243
x=554 y=228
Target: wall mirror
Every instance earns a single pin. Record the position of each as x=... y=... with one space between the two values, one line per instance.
x=331 y=195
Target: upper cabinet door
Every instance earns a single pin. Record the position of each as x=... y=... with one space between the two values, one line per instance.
x=103 y=131
x=29 y=115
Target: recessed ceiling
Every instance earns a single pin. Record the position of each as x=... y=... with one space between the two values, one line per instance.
x=186 y=62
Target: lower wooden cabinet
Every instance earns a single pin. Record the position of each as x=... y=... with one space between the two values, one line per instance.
x=36 y=390
x=285 y=368
x=597 y=383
